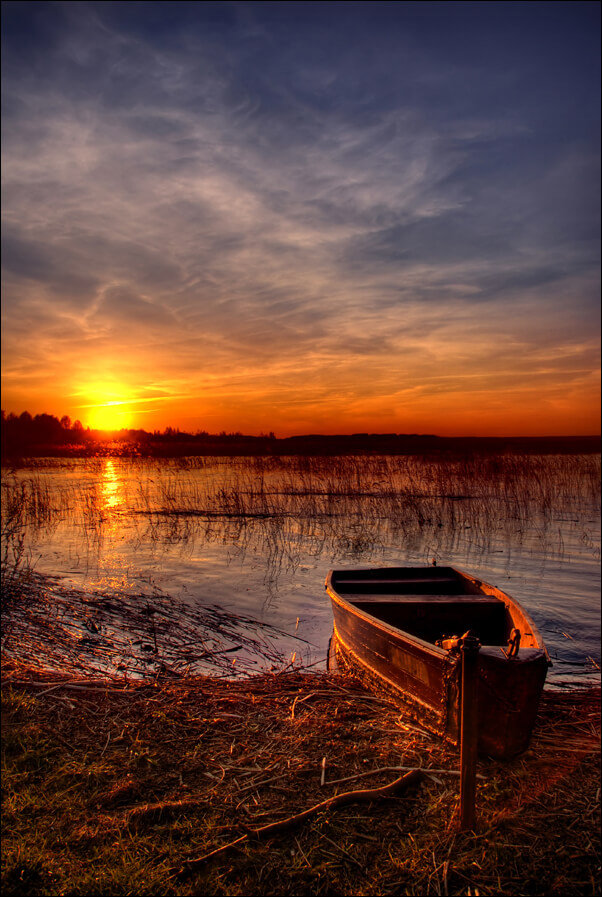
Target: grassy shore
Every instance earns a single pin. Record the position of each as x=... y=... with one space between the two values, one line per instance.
x=113 y=789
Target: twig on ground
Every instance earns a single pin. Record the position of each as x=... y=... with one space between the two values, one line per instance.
x=337 y=800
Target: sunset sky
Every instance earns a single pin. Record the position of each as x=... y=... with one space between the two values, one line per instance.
x=303 y=217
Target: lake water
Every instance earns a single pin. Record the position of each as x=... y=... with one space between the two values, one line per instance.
x=258 y=536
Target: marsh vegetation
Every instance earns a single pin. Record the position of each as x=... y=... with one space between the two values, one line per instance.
x=254 y=537
x=404 y=497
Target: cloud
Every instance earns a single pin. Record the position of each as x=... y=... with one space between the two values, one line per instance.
x=220 y=193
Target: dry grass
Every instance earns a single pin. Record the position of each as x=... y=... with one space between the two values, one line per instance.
x=127 y=636
x=111 y=789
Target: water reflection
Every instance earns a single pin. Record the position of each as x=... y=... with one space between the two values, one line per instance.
x=258 y=535
x=110 y=550
x=111 y=487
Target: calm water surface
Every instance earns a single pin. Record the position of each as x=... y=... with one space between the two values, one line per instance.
x=257 y=536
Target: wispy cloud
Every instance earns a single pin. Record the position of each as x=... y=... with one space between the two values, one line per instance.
x=297 y=209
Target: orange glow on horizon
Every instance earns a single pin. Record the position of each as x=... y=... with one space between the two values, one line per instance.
x=354 y=395
x=457 y=417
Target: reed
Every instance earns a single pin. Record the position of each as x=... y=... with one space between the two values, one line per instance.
x=288 y=507
x=133 y=637
x=407 y=492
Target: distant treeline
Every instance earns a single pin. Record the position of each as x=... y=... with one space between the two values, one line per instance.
x=46 y=435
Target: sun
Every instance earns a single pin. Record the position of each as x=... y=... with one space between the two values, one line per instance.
x=107 y=406
x=110 y=416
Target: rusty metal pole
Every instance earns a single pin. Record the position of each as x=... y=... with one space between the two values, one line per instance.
x=469 y=730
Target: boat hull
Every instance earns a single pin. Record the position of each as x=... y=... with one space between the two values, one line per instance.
x=429 y=677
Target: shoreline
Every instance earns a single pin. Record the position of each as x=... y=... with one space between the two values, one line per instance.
x=132 y=445
x=129 y=637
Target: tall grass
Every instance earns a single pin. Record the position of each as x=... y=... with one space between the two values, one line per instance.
x=349 y=506
x=25 y=504
x=352 y=505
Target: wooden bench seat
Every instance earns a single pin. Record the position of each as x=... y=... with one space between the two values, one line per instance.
x=360 y=598
x=382 y=581
x=431 y=617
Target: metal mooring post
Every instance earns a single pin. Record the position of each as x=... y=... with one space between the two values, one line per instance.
x=470 y=647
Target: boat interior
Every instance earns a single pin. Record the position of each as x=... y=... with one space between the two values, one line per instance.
x=429 y=603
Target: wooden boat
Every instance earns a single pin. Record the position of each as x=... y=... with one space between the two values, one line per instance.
x=398 y=625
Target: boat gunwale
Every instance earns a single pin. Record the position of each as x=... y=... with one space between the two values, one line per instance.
x=387 y=627
x=507 y=600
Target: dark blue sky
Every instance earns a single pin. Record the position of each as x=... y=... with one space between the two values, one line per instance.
x=304 y=216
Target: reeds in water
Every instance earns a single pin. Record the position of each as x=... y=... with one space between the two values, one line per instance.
x=286 y=507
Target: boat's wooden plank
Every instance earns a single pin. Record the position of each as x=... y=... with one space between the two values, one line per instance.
x=401 y=598
x=413 y=666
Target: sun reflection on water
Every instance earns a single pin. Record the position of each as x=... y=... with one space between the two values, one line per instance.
x=112 y=490
x=112 y=571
